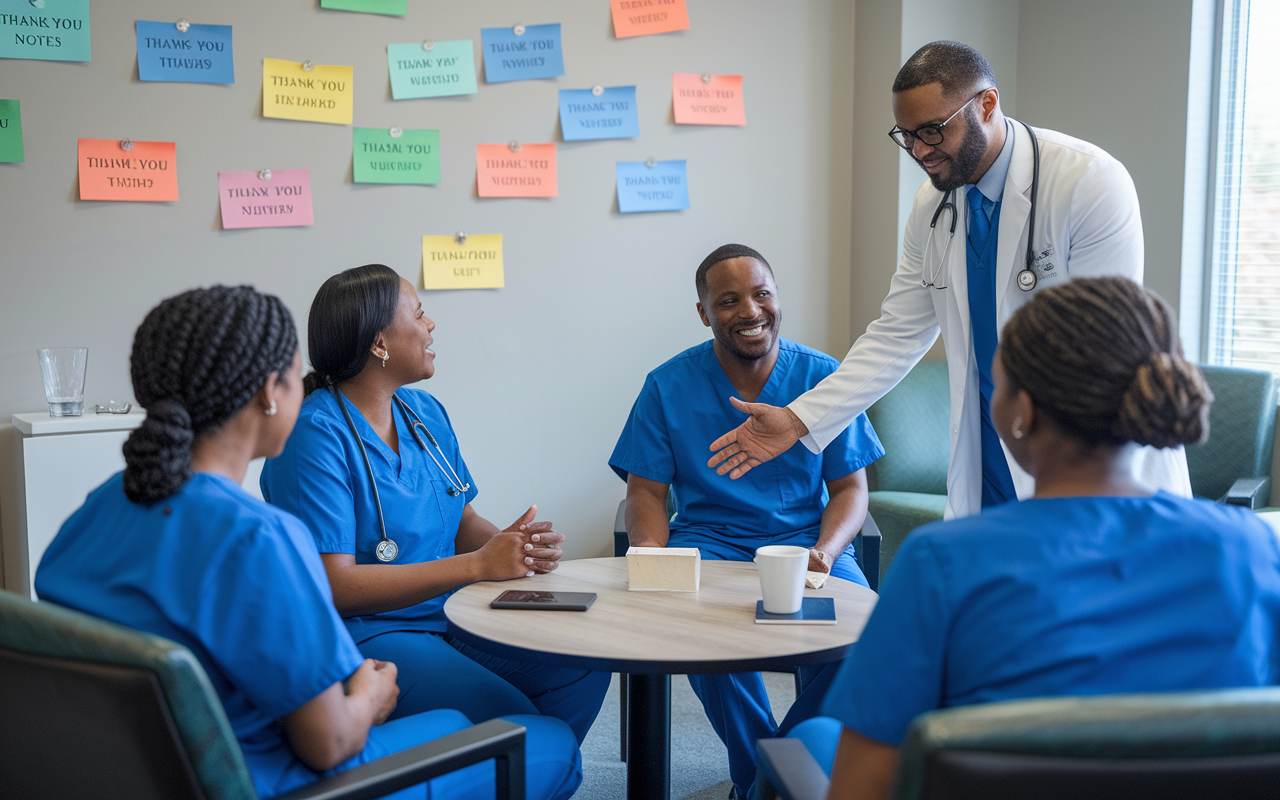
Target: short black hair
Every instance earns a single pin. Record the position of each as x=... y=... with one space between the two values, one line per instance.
x=723 y=253
x=957 y=66
x=347 y=314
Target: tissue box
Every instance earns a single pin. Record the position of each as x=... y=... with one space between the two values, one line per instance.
x=663 y=569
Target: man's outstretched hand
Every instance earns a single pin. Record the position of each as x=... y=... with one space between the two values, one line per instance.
x=768 y=433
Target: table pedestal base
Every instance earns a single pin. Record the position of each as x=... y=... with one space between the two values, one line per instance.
x=649 y=737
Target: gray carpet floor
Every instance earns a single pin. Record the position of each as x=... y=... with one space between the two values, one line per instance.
x=699 y=766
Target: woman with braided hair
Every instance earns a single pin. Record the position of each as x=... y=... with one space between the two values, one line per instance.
x=174 y=546
x=1097 y=584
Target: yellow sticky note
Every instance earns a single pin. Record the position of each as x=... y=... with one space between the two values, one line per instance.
x=322 y=93
x=473 y=264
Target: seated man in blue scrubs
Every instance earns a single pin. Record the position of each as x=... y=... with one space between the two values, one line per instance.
x=814 y=501
x=1097 y=584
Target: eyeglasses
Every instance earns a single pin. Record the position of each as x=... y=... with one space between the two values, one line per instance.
x=929 y=134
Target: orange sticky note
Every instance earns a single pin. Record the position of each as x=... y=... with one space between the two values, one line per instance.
x=716 y=102
x=148 y=171
x=527 y=172
x=642 y=17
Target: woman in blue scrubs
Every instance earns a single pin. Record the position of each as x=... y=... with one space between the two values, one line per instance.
x=174 y=546
x=1095 y=586
x=396 y=546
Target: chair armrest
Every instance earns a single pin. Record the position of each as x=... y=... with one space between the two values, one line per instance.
x=1248 y=492
x=866 y=548
x=620 y=541
x=497 y=739
x=786 y=769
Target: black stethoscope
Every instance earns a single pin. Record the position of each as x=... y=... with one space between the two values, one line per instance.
x=387 y=550
x=1027 y=277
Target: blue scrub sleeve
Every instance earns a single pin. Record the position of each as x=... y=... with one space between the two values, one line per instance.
x=852 y=450
x=267 y=618
x=896 y=669
x=312 y=480
x=644 y=448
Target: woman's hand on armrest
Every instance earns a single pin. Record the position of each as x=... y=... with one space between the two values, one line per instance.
x=334 y=725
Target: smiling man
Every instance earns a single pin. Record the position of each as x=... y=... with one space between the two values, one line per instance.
x=812 y=500
x=1007 y=211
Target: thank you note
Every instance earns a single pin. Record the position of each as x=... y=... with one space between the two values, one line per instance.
x=448 y=68
x=277 y=199
x=475 y=263
x=642 y=17
x=201 y=54
x=148 y=171
x=527 y=172
x=661 y=187
x=322 y=94
x=379 y=157
x=608 y=115
x=50 y=30
x=11 y=131
x=718 y=102
x=509 y=56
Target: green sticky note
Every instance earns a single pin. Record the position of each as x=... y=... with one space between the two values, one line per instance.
x=49 y=30
x=10 y=132
x=412 y=157
x=448 y=68
x=397 y=8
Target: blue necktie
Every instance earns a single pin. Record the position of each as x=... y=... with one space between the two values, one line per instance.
x=997 y=482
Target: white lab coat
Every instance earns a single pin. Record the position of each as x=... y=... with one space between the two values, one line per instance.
x=1087 y=224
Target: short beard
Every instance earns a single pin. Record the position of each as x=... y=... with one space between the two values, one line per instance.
x=965 y=162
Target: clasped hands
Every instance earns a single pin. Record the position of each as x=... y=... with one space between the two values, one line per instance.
x=525 y=547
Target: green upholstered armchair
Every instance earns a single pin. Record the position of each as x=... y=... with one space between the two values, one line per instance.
x=1234 y=465
x=909 y=483
x=89 y=708
x=1223 y=743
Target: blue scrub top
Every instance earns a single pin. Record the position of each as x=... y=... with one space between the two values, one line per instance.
x=321 y=478
x=684 y=407
x=236 y=581
x=1066 y=596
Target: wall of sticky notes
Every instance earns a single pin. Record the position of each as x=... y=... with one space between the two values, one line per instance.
x=538 y=375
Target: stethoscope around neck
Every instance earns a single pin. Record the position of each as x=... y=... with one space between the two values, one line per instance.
x=1027 y=278
x=387 y=550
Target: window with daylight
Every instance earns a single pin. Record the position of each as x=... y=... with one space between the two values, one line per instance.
x=1243 y=290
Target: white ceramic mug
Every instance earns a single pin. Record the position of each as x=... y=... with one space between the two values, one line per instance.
x=782 y=568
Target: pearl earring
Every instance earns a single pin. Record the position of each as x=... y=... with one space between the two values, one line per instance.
x=270 y=412
x=385 y=355
x=1017 y=428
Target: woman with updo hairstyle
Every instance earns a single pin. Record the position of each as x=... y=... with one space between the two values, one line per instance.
x=1097 y=584
x=369 y=340
x=174 y=546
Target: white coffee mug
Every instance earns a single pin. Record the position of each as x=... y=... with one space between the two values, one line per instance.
x=782 y=568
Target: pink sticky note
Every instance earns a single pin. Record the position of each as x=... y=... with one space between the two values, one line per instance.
x=251 y=200
x=527 y=172
x=716 y=102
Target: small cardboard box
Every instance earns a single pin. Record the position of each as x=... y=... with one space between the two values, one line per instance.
x=663 y=569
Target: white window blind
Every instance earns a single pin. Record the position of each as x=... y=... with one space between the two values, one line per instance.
x=1244 y=260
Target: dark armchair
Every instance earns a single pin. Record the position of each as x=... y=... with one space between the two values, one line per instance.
x=89 y=708
x=1234 y=465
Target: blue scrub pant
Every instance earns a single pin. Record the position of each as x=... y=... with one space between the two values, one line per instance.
x=437 y=672
x=821 y=737
x=553 y=765
x=737 y=704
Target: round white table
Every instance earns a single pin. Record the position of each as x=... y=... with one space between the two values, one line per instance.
x=653 y=635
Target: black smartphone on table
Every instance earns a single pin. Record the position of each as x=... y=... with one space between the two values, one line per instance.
x=544 y=601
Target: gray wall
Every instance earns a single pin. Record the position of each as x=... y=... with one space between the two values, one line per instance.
x=539 y=376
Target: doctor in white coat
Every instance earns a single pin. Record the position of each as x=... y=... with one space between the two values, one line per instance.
x=965 y=268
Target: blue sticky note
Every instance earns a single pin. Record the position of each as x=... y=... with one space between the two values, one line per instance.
x=662 y=187
x=534 y=54
x=49 y=30
x=200 y=55
x=609 y=115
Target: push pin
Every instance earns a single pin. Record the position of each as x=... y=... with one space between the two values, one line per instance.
x=706 y=77
x=307 y=66
x=396 y=132
x=513 y=146
x=649 y=162
x=518 y=30
x=183 y=26
x=428 y=45
x=264 y=174
x=126 y=144
x=37 y=3
x=597 y=90
x=460 y=237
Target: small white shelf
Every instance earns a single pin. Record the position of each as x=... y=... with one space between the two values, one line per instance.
x=39 y=423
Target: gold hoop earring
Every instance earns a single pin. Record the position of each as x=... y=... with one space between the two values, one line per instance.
x=1018 y=433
